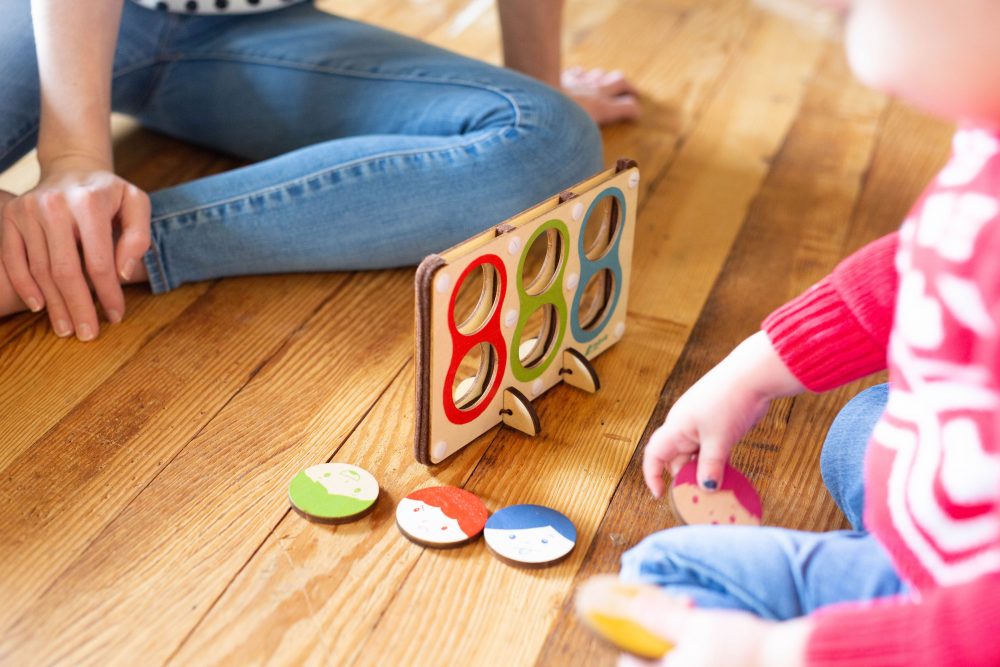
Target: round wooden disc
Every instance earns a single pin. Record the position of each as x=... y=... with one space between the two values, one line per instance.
x=530 y=535
x=333 y=492
x=441 y=516
x=735 y=503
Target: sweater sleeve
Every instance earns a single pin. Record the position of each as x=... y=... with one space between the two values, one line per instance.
x=949 y=626
x=838 y=330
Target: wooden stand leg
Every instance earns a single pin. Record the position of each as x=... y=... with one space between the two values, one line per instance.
x=519 y=413
x=578 y=372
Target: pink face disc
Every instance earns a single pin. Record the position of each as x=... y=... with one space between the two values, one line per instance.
x=735 y=503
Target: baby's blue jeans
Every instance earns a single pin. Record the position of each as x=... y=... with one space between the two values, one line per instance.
x=778 y=573
x=370 y=149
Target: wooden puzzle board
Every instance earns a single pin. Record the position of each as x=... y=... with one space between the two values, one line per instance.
x=522 y=317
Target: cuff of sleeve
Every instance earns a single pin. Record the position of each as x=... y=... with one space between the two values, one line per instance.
x=820 y=340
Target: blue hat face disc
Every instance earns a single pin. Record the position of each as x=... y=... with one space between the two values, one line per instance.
x=530 y=535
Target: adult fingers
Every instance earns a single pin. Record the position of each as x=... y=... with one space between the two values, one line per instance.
x=65 y=267
x=15 y=261
x=39 y=264
x=99 y=256
x=134 y=240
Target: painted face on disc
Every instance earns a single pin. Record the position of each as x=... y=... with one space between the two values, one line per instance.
x=735 y=503
x=333 y=492
x=530 y=535
x=441 y=516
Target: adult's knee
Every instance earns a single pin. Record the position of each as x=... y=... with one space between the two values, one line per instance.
x=568 y=138
x=556 y=143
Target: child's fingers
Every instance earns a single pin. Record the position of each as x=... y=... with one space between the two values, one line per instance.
x=711 y=465
x=627 y=660
x=659 y=451
x=679 y=462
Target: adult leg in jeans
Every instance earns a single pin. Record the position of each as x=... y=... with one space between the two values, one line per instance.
x=373 y=149
x=777 y=573
x=136 y=60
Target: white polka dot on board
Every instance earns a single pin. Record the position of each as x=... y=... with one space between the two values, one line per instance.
x=537 y=387
x=620 y=329
x=440 y=450
x=514 y=246
x=577 y=211
x=510 y=319
x=572 y=280
x=633 y=180
x=442 y=283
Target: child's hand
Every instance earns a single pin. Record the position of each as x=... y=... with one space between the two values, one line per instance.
x=717 y=638
x=716 y=412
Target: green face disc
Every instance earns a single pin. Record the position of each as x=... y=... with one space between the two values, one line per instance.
x=333 y=492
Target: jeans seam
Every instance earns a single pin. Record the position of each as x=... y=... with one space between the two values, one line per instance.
x=323 y=172
x=161 y=49
x=158 y=280
x=360 y=74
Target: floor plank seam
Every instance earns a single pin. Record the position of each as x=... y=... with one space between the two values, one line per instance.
x=111 y=520
x=29 y=323
x=281 y=520
x=423 y=550
x=698 y=114
x=865 y=181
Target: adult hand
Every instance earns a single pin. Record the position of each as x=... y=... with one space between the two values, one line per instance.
x=716 y=412
x=608 y=97
x=76 y=207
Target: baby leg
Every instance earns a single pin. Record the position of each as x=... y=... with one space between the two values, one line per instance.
x=775 y=573
x=843 y=459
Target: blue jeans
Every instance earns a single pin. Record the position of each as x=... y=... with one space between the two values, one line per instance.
x=371 y=149
x=778 y=573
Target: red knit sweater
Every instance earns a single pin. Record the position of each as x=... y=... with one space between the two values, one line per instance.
x=926 y=302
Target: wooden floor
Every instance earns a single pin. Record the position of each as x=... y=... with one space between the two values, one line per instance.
x=143 y=510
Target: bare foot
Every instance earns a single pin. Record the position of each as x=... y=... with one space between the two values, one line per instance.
x=10 y=303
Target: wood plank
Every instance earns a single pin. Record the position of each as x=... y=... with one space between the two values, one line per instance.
x=65 y=372
x=311 y=592
x=573 y=466
x=239 y=627
x=164 y=560
x=708 y=189
x=797 y=224
x=61 y=492
x=910 y=149
x=581 y=490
